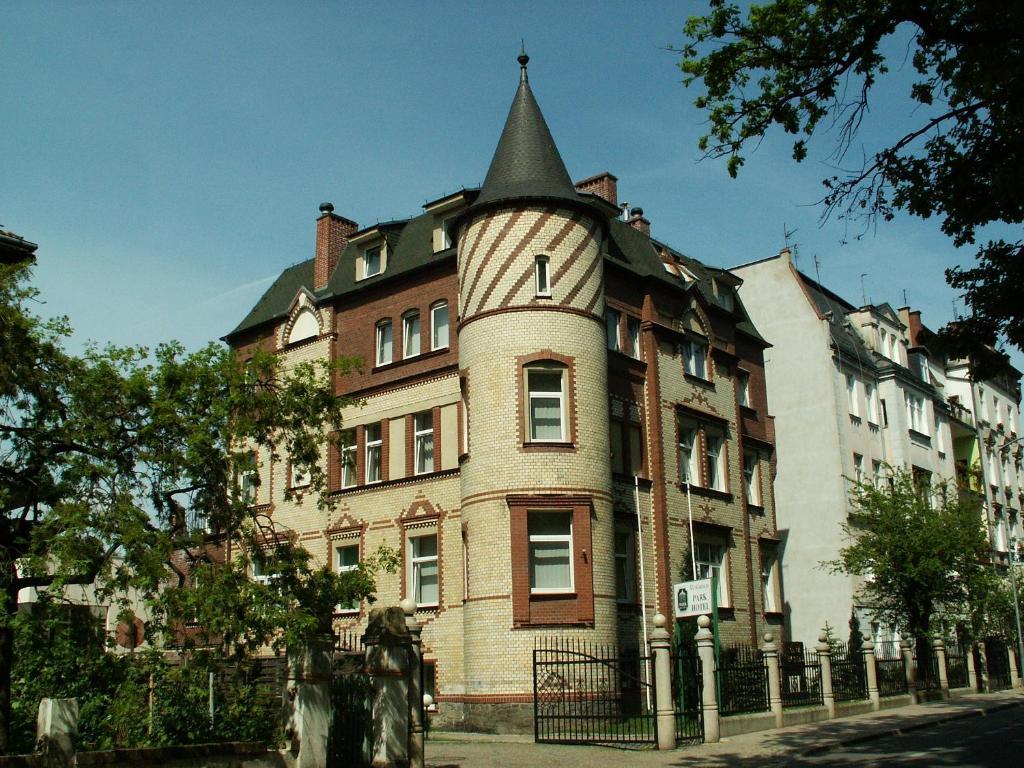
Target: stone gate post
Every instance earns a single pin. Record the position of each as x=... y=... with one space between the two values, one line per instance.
x=664 y=707
x=871 y=672
x=388 y=650
x=56 y=729
x=908 y=668
x=415 y=679
x=972 y=671
x=310 y=673
x=983 y=664
x=771 y=659
x=939 y=649
x=828 y=697
x=709 y=672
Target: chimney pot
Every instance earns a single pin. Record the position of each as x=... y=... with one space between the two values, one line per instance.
x=326 y=207
x=603 y=185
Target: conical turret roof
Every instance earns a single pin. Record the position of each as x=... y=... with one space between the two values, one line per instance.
x=526 y=163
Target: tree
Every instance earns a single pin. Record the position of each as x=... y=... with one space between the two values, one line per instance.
x=109 y=460
x=920 y=551
x=807 y=67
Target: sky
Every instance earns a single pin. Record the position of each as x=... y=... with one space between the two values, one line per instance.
x=169 y=158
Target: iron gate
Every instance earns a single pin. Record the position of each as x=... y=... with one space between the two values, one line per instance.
x=998 y=663
x=687 y=693
x=591 y=694
x=350 y=712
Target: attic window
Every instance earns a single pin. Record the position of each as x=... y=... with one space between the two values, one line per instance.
x=304 y=327
x=371 y=261
x=723 y=295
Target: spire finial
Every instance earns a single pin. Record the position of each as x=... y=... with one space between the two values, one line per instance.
x=523 y=61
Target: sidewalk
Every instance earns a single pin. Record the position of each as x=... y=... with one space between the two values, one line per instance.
x=463 y=750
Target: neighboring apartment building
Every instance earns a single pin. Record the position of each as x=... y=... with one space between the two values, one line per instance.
x=851 y=397
x=549 y=396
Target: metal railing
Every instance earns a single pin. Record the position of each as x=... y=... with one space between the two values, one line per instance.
x=801 y=676
x=892 y=673
x=849 y=676
x=956 y=666
x=742 y=680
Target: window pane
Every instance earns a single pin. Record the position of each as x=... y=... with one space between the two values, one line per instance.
x=549 y=565
x=383 y=343
x=440 y=326
x=636 y=450
x=546 y=418
x=634 y=337
x=427 y=592
x=371 y=262
x=550 y=524
x=545 y=382
x=611 y=323
x=424 y=546
x=372 y=463
x=412 y=335
x=615 y=432
x=542 y=276
x=348 y=557
x=425 y=453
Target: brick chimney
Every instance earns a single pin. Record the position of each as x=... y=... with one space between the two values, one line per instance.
x=603 y=185
x=332 y=234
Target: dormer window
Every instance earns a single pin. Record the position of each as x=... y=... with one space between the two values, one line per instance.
x=723 y=295
x=541 y=264
x=305 y=327
x=371 y=261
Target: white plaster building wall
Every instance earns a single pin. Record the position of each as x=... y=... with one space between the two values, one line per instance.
x=810 y=491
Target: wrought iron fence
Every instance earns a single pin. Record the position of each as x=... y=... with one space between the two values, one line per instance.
x=998 y=663
x=956 y=665
x=801 y=676
x=350 y=712
x=742 y=680
x=926 y=663
x=891 y=672
x=349 y=640
x=849 y=676
x=586 y=694
x=687 y=693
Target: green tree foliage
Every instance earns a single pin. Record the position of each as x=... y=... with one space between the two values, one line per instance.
x=919 y=551
x=119 y=468
x=810 y=68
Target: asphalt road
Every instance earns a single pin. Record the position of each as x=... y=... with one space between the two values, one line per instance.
x=994 y=740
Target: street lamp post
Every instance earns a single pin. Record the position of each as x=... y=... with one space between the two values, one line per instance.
x=1013 y=573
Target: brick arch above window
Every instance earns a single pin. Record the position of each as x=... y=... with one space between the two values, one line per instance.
x=304 y=323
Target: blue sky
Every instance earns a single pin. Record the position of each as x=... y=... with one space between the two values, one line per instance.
x=169 y=158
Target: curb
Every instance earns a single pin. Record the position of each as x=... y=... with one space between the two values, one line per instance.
x=887 y=732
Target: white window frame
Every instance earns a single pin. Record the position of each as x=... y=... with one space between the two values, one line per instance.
x=346 y=544
x=770 y=581
x=542 y=275
x=421 y=434
x=715 y=459
x=752 y=478
x=689 y=454
x=435 y=342
x=743 y=387
x=347 y=458
x=385 y=342
x=532 y=370
x=446 y=239
x=871 y=398
x=411 y=334
x=549 y=538
x=633 y=336
x=858 y=467
x=695 y=359
x=713 y=557
x=851 y=395
x=876 y=474
x=379 y=251
x=373 y=446
x=248 y=486
x=612 y=320
x=301 y=476
x=416 y=563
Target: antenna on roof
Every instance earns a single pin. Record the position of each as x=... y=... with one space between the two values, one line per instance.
x=905 y=304
x=817 y=268
x=787 y=233
x=863 y=293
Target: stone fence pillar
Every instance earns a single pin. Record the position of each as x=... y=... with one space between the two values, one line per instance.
x=908 y=667
x=388 y=650
x=771 y=660
x=939 y=649
x=828 y=697
x=56 y=728
x=709 y=672
x=664 y=708
x=871 y=672
x=983 y=666
x=972 y=672
x=415 y=670
x=1011 y=654
x=310 y=673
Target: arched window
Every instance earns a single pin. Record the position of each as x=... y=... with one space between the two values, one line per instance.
x=305 y=327
x=384 y=342
x=439 y=325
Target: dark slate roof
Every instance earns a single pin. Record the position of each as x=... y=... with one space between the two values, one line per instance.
x=835 y=308
x=278 y=297
x=526 y=163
